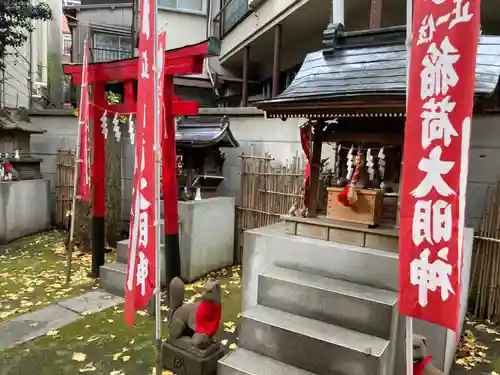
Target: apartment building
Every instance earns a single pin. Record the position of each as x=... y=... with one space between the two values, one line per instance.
x=109 y=26
x=33 y=77
x=265 y=41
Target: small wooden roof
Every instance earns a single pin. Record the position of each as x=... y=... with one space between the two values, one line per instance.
x=363 y=73
x=204 y=132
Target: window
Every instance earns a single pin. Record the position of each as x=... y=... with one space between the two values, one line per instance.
x=191 y=5
x=108 y=47
x=67 y=45
x=233 y=13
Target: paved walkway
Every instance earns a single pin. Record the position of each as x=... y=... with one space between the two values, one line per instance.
x=38 y=323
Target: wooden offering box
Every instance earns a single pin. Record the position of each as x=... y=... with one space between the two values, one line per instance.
x=367 y=210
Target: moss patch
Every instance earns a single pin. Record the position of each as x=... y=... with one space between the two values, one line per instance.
x=103 y=344
x=33 y=274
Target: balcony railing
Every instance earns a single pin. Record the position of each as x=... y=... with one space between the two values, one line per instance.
x=231 y=13
x=103 y=55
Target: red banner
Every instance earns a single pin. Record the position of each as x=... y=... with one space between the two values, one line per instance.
x=162 y=46
x=141 y=268
x=437 y=135
x=83 y=113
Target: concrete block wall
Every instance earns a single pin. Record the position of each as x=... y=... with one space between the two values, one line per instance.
x=61 y=127
x=280 y=138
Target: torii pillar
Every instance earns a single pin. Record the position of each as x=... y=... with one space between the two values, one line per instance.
x=185 y=60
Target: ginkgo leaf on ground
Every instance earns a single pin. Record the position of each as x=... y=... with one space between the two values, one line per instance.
x=79 y=357
x=89 y=367
x=233 y=346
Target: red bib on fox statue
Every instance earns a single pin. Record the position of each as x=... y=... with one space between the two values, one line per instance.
x=419 y=367
x=208 y=316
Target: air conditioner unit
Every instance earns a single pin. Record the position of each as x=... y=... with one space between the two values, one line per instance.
x=254 y=4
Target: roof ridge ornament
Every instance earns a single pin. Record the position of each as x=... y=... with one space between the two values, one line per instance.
x=330 y=35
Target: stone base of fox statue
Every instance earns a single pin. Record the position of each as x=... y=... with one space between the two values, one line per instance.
x=182 y=358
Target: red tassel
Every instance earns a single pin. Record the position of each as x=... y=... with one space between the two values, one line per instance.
x=343 y=197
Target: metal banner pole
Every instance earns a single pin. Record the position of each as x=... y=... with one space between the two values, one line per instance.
x=409 y=320
x=156 y=107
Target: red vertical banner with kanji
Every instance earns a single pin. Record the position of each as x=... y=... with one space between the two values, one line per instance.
x=437 y=135
x=162 y=45
x=83 y=113
x=141 y=267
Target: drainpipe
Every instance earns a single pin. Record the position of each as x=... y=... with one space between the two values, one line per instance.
x=207 y=60
x=34 y=54
x=44 y=57
x=338 y=12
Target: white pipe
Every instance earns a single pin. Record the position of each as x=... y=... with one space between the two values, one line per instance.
x=44 y=57
x=34 y=54
x=209 y=34
x=338 y=12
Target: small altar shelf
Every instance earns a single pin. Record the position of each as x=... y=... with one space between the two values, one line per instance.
x=322 y=228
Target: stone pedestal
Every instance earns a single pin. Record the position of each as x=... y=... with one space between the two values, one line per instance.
x=181 y=358
x=206 y=236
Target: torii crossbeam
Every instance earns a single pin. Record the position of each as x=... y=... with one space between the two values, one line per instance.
x=185 y=60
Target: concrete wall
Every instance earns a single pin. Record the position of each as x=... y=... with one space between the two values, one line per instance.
x=280 y=138
x=61 y=127
x=24 y=208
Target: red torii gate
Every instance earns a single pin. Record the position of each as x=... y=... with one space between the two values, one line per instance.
x=185 y=60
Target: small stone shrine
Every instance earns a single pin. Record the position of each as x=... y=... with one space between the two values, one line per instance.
x=24 y=194
x=191 y=348
x=15 y=136
x=200 y=161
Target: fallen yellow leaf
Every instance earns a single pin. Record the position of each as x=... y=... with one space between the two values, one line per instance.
x=117 y=355
x=116 y=372
x=52 y=333
x=89 y=368
x=79 y=357
x=233 y=346
x=125 y=358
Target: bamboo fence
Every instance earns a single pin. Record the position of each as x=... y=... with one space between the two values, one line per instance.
x=64 y=186
x=268 y=190
x=484 y=294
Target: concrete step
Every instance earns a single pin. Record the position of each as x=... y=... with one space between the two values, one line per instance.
x=361 y=265
x=122 y=251
x=112 y=278
x=358 y=307
x=312 y=345
x=245 y=362
x=122 y=246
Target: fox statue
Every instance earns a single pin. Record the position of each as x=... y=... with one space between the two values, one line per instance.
x=421 y=361
x=199 y=320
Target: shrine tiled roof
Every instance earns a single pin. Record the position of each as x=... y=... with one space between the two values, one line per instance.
x=366 y=64
x=204 y=131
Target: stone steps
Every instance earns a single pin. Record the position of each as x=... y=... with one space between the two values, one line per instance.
x=357 y=264
x=353 y=306
x=112 y=276
x=245 y=362
x=312 y=345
